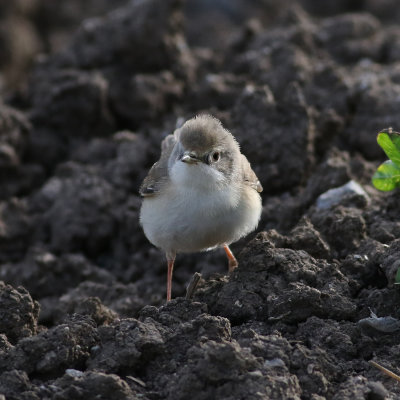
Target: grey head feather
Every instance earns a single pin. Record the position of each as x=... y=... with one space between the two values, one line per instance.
x=204 y=133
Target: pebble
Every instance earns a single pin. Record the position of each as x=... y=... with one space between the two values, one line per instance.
x=335 y=196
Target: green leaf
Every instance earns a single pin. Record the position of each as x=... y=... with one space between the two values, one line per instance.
x=387 y=176
x=390 y=143
x=397 y=278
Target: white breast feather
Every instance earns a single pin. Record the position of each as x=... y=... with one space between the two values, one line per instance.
x=198 y=210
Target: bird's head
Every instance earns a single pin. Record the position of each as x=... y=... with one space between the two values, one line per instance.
x=205 y=152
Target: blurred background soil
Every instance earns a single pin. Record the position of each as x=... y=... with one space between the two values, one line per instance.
x=88 y=89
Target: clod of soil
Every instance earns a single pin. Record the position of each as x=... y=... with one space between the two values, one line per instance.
x=305 y=87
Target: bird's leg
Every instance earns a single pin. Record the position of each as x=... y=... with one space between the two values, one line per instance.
x=232 y=262
x=170 y=260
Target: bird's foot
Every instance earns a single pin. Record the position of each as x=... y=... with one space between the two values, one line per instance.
x=232 y=262
x=232 y=265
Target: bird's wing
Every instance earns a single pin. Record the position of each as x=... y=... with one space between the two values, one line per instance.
x=158 y=174
x=249 y=176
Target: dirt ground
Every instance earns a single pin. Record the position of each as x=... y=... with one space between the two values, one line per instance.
x=88 y=91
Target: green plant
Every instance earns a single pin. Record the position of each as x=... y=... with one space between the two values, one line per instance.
x=387 y=176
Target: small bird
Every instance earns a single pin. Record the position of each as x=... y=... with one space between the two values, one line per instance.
x=201 y=194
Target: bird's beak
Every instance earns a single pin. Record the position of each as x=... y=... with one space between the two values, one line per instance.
x=190 y=158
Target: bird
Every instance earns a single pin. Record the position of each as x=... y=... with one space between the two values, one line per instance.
x=202 y=193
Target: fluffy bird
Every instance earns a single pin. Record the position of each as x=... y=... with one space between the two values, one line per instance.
x=201 y=194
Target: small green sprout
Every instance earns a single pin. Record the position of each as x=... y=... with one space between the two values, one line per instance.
x=397 y=277
x=387 y=176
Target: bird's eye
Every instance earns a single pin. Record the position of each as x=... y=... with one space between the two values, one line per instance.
x=215 y=156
